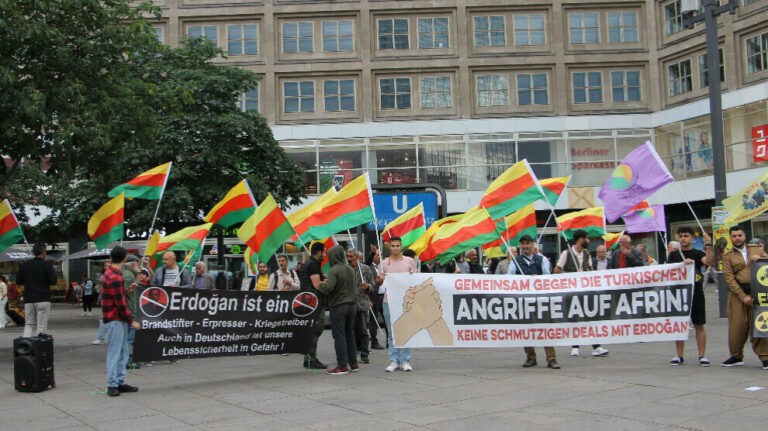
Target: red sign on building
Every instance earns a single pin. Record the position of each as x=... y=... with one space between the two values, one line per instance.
x=760 y=143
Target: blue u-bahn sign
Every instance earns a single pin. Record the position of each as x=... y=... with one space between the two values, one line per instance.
x=390 y=206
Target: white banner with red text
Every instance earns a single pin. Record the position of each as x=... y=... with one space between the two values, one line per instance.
x=651 y=303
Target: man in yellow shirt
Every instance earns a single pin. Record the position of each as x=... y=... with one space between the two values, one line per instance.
x=261 y=281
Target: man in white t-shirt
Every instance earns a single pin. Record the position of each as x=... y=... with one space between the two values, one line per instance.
x=396 y=262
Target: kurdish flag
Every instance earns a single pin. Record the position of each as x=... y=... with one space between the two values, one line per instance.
x=235 y=208
x=521 y=222
x=612 y=240
x=148 y=185
x=301 y=219
x=10 y=231
x=422 y=243
x=251 y=260
x=512 y=190
x=473 y=230
x=591 y=220
x=553 y=188
x=350 y=207
x=152 y=244
x=266 y=230
x=409 y=226
x=329 y=242
x=186 y=239
x=106 y=225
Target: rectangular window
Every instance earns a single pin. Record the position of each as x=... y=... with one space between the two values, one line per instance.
x=492 y=90
x=435 y=92
x=210 y=32
x=299 y=96
x=433 y=33
x=587 y=87
x=297 y=37
x=339 y=95
x=242 y=39
x=673 y=17
x=532 y=89
x=625 y=86
x=584 y=27
x=680 y=81
x=395 y=93
x=249 y=101
x=489 y=31
x=393 y=34
x=159 y=33
x=749 y=2
x=529 y=30
x=704 y=69
x=337 y=36
x=757 y=53
x=622 y=27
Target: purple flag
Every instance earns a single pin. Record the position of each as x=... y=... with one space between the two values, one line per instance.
x=646 y=220
x=638 y=176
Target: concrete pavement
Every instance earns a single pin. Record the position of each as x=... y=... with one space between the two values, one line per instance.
x=453 y=389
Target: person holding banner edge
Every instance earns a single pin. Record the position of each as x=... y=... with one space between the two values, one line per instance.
x=578 y=254
x=396 y=262
x=736 y=271
x=688 y=254
x=529 y=263
x=310 y=277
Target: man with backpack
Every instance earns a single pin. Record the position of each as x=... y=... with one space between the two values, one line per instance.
x=283 y=278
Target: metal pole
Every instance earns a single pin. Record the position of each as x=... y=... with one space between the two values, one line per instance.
x=715 y=100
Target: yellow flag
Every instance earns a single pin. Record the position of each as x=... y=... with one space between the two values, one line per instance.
x=749 y=202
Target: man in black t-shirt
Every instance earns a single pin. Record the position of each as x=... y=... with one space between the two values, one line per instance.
x=310 y=277
x=688 y=254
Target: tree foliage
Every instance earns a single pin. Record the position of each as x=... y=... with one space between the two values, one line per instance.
x=107 y=101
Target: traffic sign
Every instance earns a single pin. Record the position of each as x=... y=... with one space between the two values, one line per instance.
x=390 y=206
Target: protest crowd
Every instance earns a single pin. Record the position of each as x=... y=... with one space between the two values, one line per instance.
x=352 y=285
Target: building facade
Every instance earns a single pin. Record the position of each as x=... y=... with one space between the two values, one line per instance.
x=453 y=92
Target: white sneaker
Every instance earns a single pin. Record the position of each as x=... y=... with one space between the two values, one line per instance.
x=406 y=366
x=89 y=314
x=82 y=314
x=575 y=351
x=391 y=367
x=600 y=351
x=97 y=342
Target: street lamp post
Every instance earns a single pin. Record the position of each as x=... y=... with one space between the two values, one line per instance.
x=711 y=11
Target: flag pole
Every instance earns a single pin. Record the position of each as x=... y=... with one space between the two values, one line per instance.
x=538 y=240
x=157 y=209
x=689 y=207
x=188 y=258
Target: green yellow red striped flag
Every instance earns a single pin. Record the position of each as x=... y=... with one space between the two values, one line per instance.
x=187 y=239
x=591 y=220
x=251 y=260
x=106 y=225
x=147 y=185
x=423 y=241
x=612 y=240
x=519 y=223
x=151 y=250
x=301 y=219
x=10 y=231
x=350 y=207
x=553 y=188
x=409 y=226
x=512 y=190
x=473 y=230
x=266 y=230
x=235 y=208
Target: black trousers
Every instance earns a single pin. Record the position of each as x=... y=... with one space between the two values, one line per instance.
x=87 y=302
x=361 y=332
x=343 y=330
x=319 y=328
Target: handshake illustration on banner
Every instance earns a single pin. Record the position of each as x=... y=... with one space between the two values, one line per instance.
x=422 y=309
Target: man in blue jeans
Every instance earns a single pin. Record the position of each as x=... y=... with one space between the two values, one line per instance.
x=117 y=318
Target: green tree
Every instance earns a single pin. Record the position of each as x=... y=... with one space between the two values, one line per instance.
x=159 y=104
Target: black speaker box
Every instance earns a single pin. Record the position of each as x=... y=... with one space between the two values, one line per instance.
x=33 y=363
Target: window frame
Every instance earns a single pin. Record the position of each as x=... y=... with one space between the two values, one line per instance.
x=203 y=31
x=493 y=91
x=528 y=30
x=436 y=92
x=393 y=35
x=704 y=68
x=625 y=86
x=242 y=100
x=337 y=36
x=761 y=54
x=242 y=40
x=395 y=93
x=339 y=96
x=583 y=30
x=680 y=78
x=588 y=88
x=433 y=33
x=490 y=31
x=284 y=38
x=622 y=26
x=532 y=89
x=673 y=24
x=299 y=97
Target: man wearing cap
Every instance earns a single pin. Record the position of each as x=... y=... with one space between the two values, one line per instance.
x=528 y=263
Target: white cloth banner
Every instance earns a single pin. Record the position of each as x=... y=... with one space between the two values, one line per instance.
x=651 y=303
